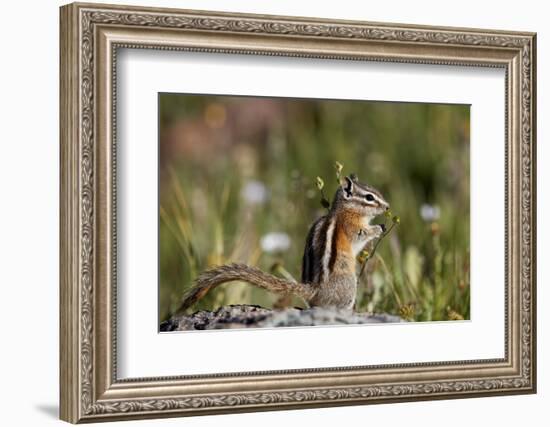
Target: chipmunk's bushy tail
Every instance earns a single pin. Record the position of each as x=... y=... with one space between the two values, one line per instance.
x=242 y=273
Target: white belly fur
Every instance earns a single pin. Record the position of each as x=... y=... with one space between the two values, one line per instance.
x=358 y=246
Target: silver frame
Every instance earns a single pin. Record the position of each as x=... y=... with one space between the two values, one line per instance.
x=90 y=37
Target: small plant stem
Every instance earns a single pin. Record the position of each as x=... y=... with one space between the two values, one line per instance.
x=410 y=287
x=283 y=272
x=375 y=247
x=182 y=240
x=389 y=278
x=324 y=200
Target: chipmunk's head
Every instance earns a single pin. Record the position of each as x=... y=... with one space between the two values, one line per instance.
x=360 y=198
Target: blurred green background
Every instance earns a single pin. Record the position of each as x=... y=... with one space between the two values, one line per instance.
x=237 y=183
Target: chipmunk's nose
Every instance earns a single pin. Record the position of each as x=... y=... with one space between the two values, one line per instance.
x=387 y=207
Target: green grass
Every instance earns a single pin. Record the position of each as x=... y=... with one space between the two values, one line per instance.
x=415 y=154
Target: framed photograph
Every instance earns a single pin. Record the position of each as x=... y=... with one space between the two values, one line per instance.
x=240 y=196
x=264 y=212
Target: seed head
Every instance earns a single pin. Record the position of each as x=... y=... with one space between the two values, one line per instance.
x=363 y=256
x=320 y=183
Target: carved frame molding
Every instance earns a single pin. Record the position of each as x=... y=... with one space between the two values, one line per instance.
x=90 y=37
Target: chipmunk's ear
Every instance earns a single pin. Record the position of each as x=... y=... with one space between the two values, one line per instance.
x=347 y=186
x=353 y=177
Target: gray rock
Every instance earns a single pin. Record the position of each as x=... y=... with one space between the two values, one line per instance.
x=253 y=316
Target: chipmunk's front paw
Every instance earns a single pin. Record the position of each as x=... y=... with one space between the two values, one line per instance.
x=378 y=230
x=372 y=232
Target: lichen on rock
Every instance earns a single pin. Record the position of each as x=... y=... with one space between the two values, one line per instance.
x=253 y=316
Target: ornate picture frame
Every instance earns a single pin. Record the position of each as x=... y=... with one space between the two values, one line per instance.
x=90 y=37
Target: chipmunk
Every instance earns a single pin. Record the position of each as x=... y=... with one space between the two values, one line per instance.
x=329 y=277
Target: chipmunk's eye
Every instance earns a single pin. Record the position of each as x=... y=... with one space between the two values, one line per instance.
x=369 y=197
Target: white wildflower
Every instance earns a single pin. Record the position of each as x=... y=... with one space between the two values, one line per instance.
x=429 y=213
x=275 y=242
x=254 y=192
